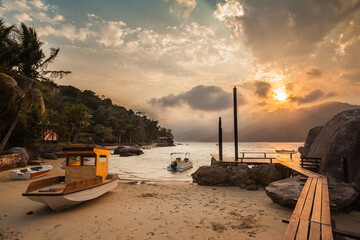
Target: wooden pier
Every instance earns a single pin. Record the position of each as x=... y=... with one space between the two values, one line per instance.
x=311 y=218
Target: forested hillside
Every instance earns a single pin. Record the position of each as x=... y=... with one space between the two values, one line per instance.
x=32 y=104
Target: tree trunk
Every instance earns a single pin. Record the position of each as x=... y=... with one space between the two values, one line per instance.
x=76 y=135
x=14 y=122
x=8 y=134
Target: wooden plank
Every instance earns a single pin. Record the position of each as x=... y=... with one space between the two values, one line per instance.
x=305 y=214
x=316 y=212
x=303 y=230
x=295 y=217
x=314 y=231
x=326 y=232
x=325 y=211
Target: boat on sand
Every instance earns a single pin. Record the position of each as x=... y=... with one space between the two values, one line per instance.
x=86 y=177
x=31 y=172
x=179 y=164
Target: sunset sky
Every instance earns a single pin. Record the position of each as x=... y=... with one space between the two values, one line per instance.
x=178 y=60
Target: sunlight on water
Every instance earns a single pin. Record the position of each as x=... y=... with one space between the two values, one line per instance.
x=153 y=163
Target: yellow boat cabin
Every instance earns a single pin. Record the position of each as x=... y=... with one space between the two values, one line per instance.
x=86 y=162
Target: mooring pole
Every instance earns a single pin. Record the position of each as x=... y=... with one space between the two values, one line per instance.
x=235 y=125
x=220 y=141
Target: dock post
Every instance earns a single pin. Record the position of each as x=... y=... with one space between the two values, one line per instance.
x=235 y=125
x=220 y=141
x=345 y=169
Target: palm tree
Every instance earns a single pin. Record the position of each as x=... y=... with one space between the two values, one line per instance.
x=22 y=58
x=7 y=47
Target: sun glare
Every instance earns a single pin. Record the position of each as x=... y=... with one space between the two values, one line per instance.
x=280 y=94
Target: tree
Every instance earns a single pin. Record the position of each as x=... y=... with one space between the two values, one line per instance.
x=23 y=59
x=78 y=118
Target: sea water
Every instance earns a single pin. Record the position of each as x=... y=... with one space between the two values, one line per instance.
x=152 y=165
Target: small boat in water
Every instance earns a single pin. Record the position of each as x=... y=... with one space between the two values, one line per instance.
x=179 y=164
x=86 y=177
x=31 y=172
x=285 y=151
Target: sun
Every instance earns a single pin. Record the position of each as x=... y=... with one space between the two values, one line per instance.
x=280 y=94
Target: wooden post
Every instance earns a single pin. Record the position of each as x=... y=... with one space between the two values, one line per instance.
x=235 y=125
x=220 y=141
x=264 y=155
x=345 y=169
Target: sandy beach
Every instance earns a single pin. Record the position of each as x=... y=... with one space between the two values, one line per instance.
x=151 y=210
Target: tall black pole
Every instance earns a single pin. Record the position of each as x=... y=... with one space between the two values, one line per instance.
x=235 y=125
x=220 y=141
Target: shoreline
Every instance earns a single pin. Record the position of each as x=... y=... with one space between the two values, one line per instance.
x=150 y=210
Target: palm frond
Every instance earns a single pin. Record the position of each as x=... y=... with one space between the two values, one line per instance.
x=53 y=54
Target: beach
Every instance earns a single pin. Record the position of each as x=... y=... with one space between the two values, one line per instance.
x=150 y=210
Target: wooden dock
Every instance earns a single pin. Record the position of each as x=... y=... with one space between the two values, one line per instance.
x=311 y=218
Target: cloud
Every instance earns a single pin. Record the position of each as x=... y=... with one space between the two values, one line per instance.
x=314 y=73
x=226 y=12
x=181 y=8
x=23 y=17
x=206 y=98
x=285 y=28
x=311 y=97
x=262 y=88
x=39 y=4
x=25 y=10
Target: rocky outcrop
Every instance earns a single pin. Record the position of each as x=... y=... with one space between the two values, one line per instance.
x=265 y=174
x=313 y=133
x=341 y=194
x=118 y=149
x=10 y=161
x=286 y=192
x=59 y=154
x=240 y=176
x=49 y=156
x=165 y=144
x=212 y=176
x=24 y=155
x=132 y=151
x=339 y=138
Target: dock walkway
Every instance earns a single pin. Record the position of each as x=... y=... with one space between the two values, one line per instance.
x=311 y=218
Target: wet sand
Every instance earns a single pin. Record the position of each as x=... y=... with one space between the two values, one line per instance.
x=149 y=211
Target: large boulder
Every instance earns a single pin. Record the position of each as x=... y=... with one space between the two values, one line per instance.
x=211 y=176
x=24 y=155
x=118 y=149
x=313 y=133
x=341 y=194
x=49 y=156
x=239 y=175
x=132 y=151
x=339 y=138
x=265 y=174
x=285 y=192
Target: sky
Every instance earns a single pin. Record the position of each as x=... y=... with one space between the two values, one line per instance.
x=178 y=60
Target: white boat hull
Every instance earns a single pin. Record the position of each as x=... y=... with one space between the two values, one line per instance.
x=62 y=201
x=29 y=173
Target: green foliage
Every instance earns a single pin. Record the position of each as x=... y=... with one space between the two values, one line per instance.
x=35 y=103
